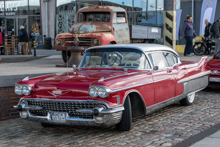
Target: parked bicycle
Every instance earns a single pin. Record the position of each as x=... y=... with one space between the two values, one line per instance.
x=205 y=46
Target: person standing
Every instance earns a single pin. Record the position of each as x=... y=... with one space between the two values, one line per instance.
x=216 y=33
x=23 y=38
x=2 y=31
x=188 y=32
x=207 y=28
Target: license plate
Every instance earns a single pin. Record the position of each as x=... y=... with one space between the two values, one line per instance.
x=58 y=117
x=214 y=79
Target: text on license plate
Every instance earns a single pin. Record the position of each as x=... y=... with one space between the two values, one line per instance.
x=214 y=79
x=58 y=117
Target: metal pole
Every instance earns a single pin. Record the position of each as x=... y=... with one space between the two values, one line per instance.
x=47 y=18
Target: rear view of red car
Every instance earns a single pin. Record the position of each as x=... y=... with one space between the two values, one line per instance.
x=214 y=66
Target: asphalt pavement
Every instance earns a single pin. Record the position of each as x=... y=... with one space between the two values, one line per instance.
x=46 y=62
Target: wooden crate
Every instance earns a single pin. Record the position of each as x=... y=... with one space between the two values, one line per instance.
x=11 y=45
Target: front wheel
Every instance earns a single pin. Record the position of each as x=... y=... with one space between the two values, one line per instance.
x=199 y=49
x=66 y=55
x=126 y=120
x=188 y=100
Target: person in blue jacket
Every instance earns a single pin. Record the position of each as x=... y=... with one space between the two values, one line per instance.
x=188 y=32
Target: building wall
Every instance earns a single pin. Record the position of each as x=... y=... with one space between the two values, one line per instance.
x=51 y=18
x=7 y=100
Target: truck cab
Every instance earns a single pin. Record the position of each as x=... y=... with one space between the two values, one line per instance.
x=98 y=25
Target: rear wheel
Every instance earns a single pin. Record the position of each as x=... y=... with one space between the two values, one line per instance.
x=188 y=100
x=66 y=55
x=126 y=120
x=199 y=49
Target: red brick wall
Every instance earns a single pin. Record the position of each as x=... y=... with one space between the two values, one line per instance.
x=7 y=100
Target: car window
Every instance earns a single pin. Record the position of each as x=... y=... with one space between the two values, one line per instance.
x=115 y=58
x=157 y=59
x=217 y=56
x=170 y=58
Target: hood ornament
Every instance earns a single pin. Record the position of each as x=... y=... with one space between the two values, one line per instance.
x=57 y=93
x=76 y=41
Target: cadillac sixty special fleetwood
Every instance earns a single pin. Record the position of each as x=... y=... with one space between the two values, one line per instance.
x=112 y=84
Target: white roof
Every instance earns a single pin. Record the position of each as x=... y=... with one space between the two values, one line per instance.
x=96 y=8
x=145 y=47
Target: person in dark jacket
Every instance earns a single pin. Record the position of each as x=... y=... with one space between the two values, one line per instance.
x=23 y=38
x=2 y=30
x=188 y=32
x=216 y=33
x=207 y=28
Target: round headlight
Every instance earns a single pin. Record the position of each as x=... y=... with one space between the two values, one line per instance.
x=26 y=90
x=59 y=41
x=93 y=92
x=102 y=92
x=97 y=42
x=18 y=89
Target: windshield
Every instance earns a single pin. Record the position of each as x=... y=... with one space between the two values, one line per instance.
x=94 y=16
x=217 y=56
x=114 y=58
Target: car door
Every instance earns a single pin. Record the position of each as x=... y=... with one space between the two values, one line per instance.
x=164 y=82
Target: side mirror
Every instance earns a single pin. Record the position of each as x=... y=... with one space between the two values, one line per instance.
x=156 y=67
x=74 y=67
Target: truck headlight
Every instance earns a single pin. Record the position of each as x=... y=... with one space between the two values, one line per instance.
x=93 y=92
x=18 y=89
x=22 y=89
x=59 y=41
x=97 y=41
x=100 y=91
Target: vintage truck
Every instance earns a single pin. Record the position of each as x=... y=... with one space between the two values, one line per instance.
x=101 y=25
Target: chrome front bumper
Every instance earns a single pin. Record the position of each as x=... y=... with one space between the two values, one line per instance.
x=101 y=116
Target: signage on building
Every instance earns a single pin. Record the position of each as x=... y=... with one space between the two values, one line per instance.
x=10 y=7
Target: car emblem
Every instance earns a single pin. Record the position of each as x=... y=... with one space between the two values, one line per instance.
x=57 y=93
x=76 y=41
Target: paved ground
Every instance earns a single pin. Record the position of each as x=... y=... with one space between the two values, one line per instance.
x=166 y=127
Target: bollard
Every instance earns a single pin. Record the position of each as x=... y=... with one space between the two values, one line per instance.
x=34 y=44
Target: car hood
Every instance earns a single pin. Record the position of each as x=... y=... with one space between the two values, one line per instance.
x=214 y=64
x=90 y=27
x=72 y=84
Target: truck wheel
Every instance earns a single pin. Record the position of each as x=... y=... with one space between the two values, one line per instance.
x=126 y=120
x=188 y=100
x=66 y=56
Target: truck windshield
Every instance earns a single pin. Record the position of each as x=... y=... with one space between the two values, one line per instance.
x=114 y=58
x=94 y=16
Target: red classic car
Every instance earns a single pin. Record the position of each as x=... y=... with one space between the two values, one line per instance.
x=214 y=66
x=112 y=84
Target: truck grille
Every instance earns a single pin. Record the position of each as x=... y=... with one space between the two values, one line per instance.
x=82 y=41
x=62 y=106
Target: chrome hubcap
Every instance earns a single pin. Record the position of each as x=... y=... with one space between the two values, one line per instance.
x=191 y=97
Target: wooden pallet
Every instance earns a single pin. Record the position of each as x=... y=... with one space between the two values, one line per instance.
x=11 y=45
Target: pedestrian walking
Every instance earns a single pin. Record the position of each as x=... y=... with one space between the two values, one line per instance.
x=2 y=40
x=216 y=33
x=23 y=38
x=188 y=32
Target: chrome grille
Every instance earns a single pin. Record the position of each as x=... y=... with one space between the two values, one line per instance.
x=62 y=106
x=83 y=41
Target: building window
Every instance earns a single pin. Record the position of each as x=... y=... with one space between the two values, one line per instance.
x=34 y=7
x=16 y=7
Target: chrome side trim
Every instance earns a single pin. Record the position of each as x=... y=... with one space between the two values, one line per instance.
x=116 y=90
x=164 y=104
x=193 y=77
